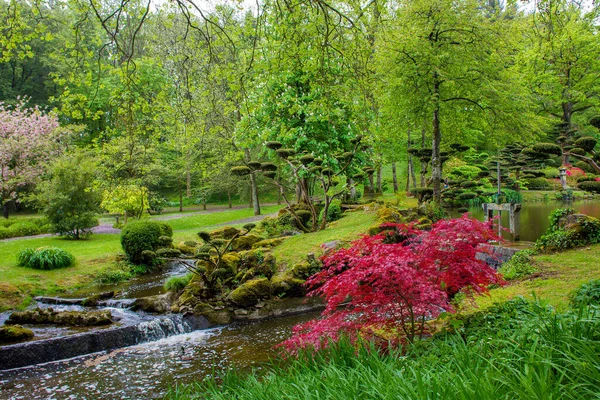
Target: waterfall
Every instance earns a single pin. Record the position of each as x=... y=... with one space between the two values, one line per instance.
x=161 y=328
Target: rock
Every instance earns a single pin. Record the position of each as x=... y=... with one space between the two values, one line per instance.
x=231 y=261
x=305 y=269
x=291 y=233
x=330 y=246
x=14 y=333
x=285 y=285
x=195 y=292
x=250 y=292
x=221 y=317
x=245 y=242
x=185 y=248
x=155 y=304
x=227 y=232
x=93 y=300
x=260 y=304
x=71 y=318
x=268 y=243
x=240 y=311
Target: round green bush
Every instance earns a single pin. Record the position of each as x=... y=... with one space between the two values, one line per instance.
x=139 y=236
x=593 y=186
x=538 y=184
x=584 y=166
x=45 y=258
x=587 y=143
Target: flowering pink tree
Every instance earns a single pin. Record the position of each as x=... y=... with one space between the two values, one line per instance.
x=396 y=280
x=27 y=141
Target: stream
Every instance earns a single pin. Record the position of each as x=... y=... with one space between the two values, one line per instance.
x=148 y=370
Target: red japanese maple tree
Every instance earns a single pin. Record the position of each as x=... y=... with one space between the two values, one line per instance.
x=399 y=279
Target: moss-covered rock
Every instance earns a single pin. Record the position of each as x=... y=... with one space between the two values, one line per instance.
x=154 y=304
x=186 y=248
x=194 y=293
x=227 y=232
x=304 y=270
x=93 y=300
x=70 y=318
x=250 y=292
x=288 y=286
x=268 y=243
x=245 y=242
x=220 y=317
x=231 y=261
x=14 y=333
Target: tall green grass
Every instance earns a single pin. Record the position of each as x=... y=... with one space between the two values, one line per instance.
x=525 y=351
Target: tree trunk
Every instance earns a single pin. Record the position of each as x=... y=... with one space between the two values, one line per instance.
x=180 y=187
x=229 y=200
x=436 y=162
x=188 y=182
x=5 y=207
x=352 y=189
x=254 y=188
x=298 y=192
x=567 y=113
x=379 y=184
x=394 y=177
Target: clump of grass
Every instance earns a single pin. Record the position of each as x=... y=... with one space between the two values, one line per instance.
x=45 y=258
x=177 y=283
x=117 y=272
x=587 y=294
x=547 y=355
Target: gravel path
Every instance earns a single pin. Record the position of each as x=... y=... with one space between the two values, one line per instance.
x=107 y=228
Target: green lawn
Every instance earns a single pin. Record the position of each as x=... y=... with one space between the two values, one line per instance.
x=559 y=274
x=295 y=249
x=17 y=283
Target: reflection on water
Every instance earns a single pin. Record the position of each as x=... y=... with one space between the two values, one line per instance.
x=534 y=216
x=148 y=370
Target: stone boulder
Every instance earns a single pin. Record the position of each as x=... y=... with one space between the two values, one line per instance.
x=287 y=285
x=158 y=304
x=227 y=233
x=245 y=242
x=250 y=292
x=70 y=318
x=14 y=333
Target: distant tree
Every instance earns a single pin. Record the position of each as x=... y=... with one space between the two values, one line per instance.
x=28 y=140
x=129 y=200
x=68 y=199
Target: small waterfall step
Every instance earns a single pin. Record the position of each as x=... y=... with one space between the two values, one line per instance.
x=42 y=351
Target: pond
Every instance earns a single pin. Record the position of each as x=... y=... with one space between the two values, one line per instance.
x=534 y=216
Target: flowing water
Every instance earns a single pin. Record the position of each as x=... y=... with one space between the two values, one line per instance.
x=150 y=369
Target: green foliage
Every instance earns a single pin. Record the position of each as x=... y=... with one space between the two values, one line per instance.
x=538 y=184
x=468 y=172
x=422 y=194
x=141 y=236
x=582 y=232
x=177 y=283
x=24 y=228
x=69 y=199
x=556 y=216
x=519 y=266
x=547 y=148
x=118 y=272
x=130 y=200
x=586 y=295
x=334 y=212
x=590 y=186
x=45 y=258
x=587 y=143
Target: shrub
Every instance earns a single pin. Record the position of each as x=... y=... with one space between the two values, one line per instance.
x=593 y=187
x=422 y=194
x=397 y=283
x=45 y=258
x=177 y=283
x=464 y=172
x=547 y=148
x=587 y=143
x=23 y=229
x=587 y=294
x=584 y=166
x=116 y=273
x=141 y=236
x=520 y=265
x=538 y=184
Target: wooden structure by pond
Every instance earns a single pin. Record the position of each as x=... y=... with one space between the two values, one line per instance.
x=513 y=215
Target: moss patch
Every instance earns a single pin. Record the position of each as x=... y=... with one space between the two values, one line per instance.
x=250 y=292
x=14 y=333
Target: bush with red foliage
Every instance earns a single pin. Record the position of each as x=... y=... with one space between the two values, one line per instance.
x=398 y=279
